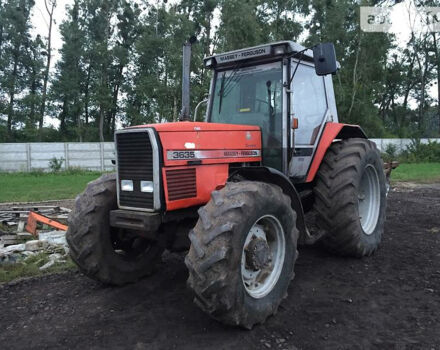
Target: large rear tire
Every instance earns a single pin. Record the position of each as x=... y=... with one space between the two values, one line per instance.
x=101 y=252
x=243 y=250
x=350 y=198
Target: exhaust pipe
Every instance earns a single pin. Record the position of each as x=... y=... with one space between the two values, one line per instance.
x=185 y=114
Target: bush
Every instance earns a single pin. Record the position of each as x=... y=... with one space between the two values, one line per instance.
x=56 y=164
x=418 y=152
x=390 y=153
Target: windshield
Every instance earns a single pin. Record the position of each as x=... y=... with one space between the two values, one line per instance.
x=252 y=96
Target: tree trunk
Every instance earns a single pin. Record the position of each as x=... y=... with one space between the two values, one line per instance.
x=33 y=94
x=437 y=62
x=175 y=109
x=101 y=123
x=46 y=73
x=63 y=117
x=86 y=94
x=114 y=109
x=12 y=95
x=410 y=81
x=355 y=79
x=423 y=71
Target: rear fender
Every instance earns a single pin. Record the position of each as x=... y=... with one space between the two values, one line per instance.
x=332 y=132
x=273 y=176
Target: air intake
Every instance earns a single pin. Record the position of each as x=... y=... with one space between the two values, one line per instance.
x=181 y=183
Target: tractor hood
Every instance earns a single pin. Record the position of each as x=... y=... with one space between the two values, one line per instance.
x=196 y=126
x=195 y=143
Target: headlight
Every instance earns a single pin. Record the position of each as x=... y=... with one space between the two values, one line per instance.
x=147 y=186
x=127 y=185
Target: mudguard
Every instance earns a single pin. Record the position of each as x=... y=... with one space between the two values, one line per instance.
x=332 y=131
x=270 y=175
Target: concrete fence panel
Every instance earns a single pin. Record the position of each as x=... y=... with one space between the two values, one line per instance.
x=96 y=155
x=401 y=144
x=37 y=156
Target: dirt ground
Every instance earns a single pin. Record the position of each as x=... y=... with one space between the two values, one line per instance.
x=388 y=301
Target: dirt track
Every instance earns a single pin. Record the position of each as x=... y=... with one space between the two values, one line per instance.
x=388 y=301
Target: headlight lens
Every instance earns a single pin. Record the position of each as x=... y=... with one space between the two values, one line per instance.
x=127 y=185
x=147 y=186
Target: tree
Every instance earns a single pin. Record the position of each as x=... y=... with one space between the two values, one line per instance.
x=68 y=83
x=50 y=7
x=15 y=41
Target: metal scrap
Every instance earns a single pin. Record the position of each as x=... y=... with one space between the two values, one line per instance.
x=14 y=219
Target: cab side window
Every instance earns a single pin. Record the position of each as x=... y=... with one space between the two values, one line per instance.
x=309 y=104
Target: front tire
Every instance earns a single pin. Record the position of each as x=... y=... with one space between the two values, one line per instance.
x=101 y=252
x=243 y=251
x=350 y=198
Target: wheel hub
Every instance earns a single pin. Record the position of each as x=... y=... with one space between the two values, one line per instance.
x=262 y=257
x=257 y=254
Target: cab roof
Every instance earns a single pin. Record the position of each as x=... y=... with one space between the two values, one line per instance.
x=259 y=52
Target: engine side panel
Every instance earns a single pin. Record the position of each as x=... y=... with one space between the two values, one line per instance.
x=210 y=147
x=196 y=158
x=191 y=186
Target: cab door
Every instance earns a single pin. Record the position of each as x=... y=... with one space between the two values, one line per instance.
x=310 y=106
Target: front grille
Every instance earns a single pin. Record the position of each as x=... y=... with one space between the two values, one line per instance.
x=181 y=183
x=135 y=162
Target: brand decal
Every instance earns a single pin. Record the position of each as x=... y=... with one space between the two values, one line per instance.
x=188 y=155
x=241 y=55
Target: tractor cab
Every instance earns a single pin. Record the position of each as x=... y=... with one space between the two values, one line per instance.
x=278 y=87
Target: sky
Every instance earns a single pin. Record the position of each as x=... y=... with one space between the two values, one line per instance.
x=40 y=20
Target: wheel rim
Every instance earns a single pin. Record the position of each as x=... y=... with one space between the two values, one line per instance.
x=369 y=199
x=259 y=282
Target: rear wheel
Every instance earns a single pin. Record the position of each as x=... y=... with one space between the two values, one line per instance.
x=104 y=253
x=243 y=250
x=350 y=198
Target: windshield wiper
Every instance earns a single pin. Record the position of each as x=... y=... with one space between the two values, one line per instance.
x=222 y=88
x=226 y=86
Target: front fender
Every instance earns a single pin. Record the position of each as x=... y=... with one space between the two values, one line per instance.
x=270 y=175
x=332 y=131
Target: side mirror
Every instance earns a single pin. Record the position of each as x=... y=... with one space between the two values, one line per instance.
x=324 y=57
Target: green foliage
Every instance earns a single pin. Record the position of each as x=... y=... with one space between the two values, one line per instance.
x=121 y=64
x=390 y=153
x=56 y=164
x=418 y=152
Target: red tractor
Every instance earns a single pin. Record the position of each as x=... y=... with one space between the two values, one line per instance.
x=237 y=185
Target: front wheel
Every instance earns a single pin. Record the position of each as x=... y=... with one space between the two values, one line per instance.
x=104 y=253
x=243 y=250
x=350 y=198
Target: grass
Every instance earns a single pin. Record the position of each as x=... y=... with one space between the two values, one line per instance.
x=31 y=267
x=38 y=186
x=417 y=172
